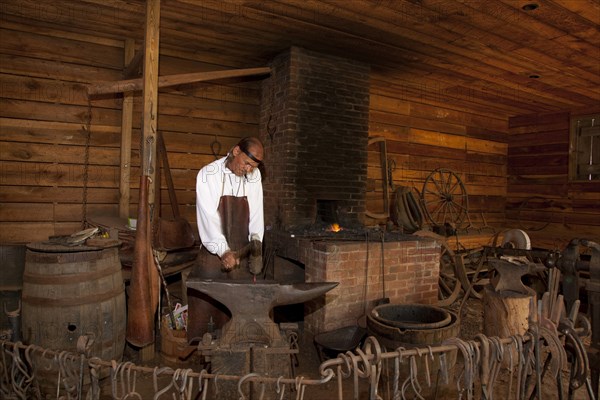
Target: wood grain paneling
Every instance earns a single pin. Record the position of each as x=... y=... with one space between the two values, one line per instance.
x=44 y=111
x=541 y=198
x=445 y=78
x=476 y=55
x=417 y=145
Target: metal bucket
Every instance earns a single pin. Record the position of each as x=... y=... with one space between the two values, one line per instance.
x=330 y=344
x=74 y=291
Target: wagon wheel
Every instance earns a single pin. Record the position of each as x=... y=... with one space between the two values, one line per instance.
x=444 y=198
x=449 y=285
x=474 y=274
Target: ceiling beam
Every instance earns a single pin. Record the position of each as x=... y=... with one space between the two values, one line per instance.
x=173 y=80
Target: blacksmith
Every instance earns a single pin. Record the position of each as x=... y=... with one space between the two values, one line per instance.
x=229 y=211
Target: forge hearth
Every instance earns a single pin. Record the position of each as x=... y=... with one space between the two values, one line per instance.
x=368 y=266
x=327 y=211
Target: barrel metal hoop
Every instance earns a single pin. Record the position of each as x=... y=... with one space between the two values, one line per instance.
x=44 y=279
x=77 y=301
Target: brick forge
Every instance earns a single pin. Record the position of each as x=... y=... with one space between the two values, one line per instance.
x=314 y=124
x=410 y=275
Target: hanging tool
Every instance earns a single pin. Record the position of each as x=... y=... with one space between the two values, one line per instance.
x=164 y=284
x=215 y=148
x=176 y=233
x=384 y=299
x=384 y=176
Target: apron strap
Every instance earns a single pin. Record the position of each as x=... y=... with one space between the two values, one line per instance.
x=223 y=185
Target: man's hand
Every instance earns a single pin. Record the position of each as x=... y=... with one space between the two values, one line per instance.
x=229 y=261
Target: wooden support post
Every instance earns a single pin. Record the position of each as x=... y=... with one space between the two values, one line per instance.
x=126 y=127
x=150 y=94
x=150 y=119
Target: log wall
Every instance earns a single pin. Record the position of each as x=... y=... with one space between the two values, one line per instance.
x=44 y=123
x=45 y=117
x=422 y=137
x=541 y=199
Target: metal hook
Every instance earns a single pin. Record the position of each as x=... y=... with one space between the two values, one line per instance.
x=280 y=389
x=400 y=351
x=200 y=377
x=430 y=352
x=215 y=148
x=215 y=382
x=242 y=380
x=426 y=360
x=366 y=371
x=371 y=341
x=414 y=376
x=158 y=371
x=299 y=388
x=346 y=360
x=14 y=313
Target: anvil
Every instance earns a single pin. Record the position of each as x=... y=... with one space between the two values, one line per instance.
x=250 y=305
x=508 y=275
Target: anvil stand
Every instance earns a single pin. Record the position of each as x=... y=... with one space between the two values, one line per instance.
x=251 y=342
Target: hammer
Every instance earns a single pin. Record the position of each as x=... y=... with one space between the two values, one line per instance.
x=252 y=251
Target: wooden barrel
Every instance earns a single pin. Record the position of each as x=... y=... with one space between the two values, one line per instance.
x=74 y=291
x=392 y=336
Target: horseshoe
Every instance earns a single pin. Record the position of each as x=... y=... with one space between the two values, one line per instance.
x=555 y=348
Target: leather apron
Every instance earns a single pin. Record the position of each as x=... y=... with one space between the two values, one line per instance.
x=235 y=216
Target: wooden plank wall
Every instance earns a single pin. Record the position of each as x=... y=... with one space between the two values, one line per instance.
x=422 y=137
x=44 y=109
x=43 y=114
x=540 y=198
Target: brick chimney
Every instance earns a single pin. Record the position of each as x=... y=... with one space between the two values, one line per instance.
x=314 y=124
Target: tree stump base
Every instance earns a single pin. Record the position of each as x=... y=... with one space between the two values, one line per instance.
x=505 y=313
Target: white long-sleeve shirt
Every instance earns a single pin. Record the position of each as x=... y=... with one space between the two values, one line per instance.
x=215 y=180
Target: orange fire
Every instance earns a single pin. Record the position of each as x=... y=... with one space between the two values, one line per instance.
x=335 y=227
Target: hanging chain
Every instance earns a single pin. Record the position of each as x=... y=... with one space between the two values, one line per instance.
x=86 y=158
x=271 y=128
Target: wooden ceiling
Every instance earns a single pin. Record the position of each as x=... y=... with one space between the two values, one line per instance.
x=488 y=56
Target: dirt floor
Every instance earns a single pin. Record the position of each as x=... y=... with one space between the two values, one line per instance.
x=308 y=368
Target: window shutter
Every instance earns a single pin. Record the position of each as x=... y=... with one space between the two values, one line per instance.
x=585 y=148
